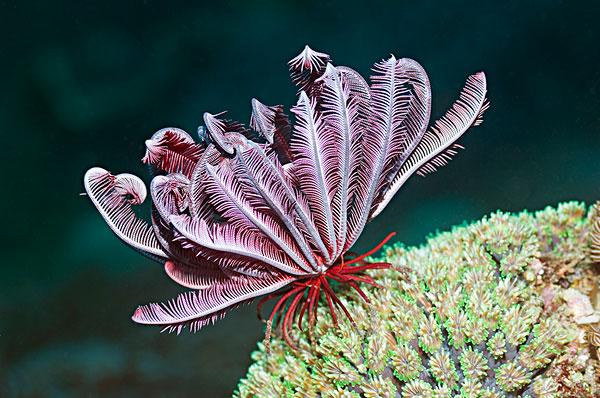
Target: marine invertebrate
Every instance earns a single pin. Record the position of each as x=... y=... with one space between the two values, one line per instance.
x=273 y=211
x=460 y=316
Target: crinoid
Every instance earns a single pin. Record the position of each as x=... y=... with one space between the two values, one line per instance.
x=273 y=210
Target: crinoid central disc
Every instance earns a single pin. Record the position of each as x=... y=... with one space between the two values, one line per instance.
x=302 y=298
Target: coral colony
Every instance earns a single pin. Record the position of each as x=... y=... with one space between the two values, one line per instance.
x=498 y=308
x=273 y=210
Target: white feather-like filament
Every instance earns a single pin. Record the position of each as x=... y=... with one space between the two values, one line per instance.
x=196 y=309
x=172 y=150
x=358 y=103
x=315 y=166
x=227 y=195
x=199 y=276
x=301 y=210
x=389 y=105
x=114 y=196
x=251 y=170
x=464 y=113
x=234 y=239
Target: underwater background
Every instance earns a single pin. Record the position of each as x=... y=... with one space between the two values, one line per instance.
x=85 y=83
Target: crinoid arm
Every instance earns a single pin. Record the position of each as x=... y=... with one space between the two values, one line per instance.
x=196 y=309
x=306 y=68
x=114 y=197
x=438 y=144
x=218 y=129
x=272 y=123
x=399 y=104
x=172 y=150
x=311 y=156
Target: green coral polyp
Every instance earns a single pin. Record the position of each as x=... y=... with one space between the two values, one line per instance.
x=496 y=345
x=417 y=389
x=462 y=316
x=511 y=377
x=406 y=363
x=473 y=364
x=441 y=367
x=430 y=335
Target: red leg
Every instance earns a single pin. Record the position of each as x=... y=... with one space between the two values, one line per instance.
x=288 y=319
x=282 y=300
x=372 y=251
x=352 y=270
x=312 y=307
x=362 y=294
x=364 y=279
x=331 y=309
x=264 y=300
x=329 y=291
x=304 y=306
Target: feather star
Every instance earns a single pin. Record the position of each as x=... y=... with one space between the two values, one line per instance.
x=273 y=210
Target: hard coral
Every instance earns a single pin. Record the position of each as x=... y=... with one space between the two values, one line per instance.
x=481 y=311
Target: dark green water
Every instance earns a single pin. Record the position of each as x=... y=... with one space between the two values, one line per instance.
x=86 y=83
